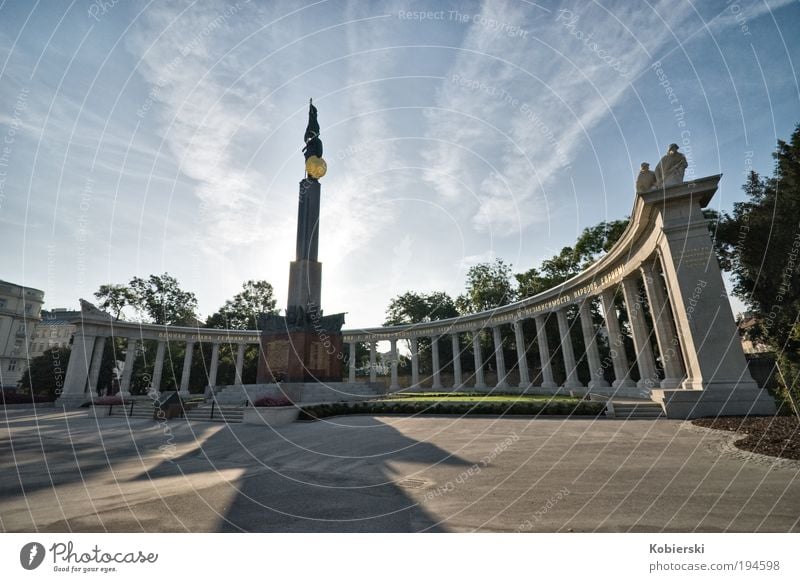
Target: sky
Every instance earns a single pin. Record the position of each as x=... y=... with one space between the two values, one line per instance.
x=147 y=137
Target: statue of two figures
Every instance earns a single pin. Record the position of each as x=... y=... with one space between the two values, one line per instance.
x=669 y=171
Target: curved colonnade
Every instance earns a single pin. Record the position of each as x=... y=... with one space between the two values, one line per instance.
x=666 y=247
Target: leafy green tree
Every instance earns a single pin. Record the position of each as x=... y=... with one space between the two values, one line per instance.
x=411 y=307
x=488 y=286
x=593 y=243
x=242 y=311
x=759 y=243
x=163 y=300
x=115 y=298
x=46 y=372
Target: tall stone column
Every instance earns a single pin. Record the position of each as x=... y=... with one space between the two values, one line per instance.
x=127 y=373
x=97 y=362
x=212 y=373
x=544 y=353
x=158 y=367
x=664 y=327
x=395 y=384
x=73 y=392
x=480 y=380
x=372 y=370
x=414 y=363
x=619 y=358
x=239 y=364
x=351 y=365
x=437 y=382
x=648 y=376
x=590 y=340
x=499 y=358
x=187 y=369
x=522 y=357
x=717 y=379
x=458 y=381
x=570 y=365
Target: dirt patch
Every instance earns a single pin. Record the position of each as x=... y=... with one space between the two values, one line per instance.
x=776 y=436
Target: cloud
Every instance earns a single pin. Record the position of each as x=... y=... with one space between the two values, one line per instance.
x=529 y=102
x=208 y=119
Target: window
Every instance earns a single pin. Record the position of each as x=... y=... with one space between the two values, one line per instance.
x=12 y=365
x=2 y=303
x=53 y=332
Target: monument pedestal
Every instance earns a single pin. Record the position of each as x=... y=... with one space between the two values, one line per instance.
x=301 y=351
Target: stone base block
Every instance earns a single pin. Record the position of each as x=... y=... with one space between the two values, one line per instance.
x=275 y=416
x=686 y=404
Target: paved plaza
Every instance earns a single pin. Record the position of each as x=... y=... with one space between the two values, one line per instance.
x=65 y=472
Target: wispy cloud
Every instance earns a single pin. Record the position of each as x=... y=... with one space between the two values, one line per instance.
x=528 y=103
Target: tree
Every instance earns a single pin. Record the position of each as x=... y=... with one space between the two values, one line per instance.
x=760 y=244
x=46 y=372
x=115 y=298
x=411 y=307
x=162 y=299
x=593 y=242
x=242 y=311
x=488 y=286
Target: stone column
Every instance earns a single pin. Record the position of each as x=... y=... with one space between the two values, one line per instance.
x=127 y=372
x=395 y=384
x=664 y=327
x=544 y=353
x=648 y=376
x=351 y=365
x=77 y=370
x=566 y=350
x=437 y=382
x=458 y=382
x=97 y=361
x=237 y=379
x=480 y=381
x=158 y=367
x=212 y=373
x=414 y=363
x=187 y=368
x=619 y=359
x=522 y=357
x=372 y=371
x=499 y=358
x=592 y=353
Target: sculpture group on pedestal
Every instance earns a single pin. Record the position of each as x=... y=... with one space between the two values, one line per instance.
x=669 y=171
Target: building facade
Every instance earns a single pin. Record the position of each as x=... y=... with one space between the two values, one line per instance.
x=20 y=311
x=54 y=330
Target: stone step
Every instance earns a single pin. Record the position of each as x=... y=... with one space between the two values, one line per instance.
x=638 y=410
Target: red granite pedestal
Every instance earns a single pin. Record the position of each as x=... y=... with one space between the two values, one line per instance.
x=300 y=356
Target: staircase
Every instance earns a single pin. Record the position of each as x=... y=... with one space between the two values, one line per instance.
x=139 y=410
x=632 y=409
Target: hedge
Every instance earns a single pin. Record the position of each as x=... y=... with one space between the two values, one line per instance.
x=561 y=408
